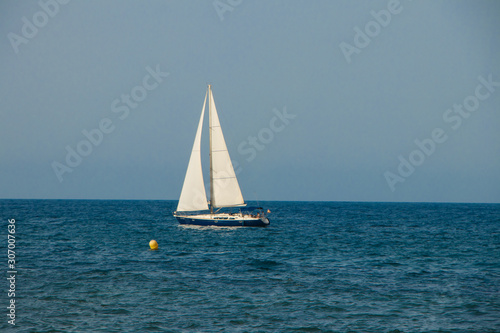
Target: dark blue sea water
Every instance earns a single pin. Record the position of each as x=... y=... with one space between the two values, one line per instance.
x=85 y=266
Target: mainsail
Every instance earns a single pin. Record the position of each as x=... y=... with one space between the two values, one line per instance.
x=193 y=195
x=224 y=188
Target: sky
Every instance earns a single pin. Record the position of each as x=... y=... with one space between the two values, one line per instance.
x=318 y=100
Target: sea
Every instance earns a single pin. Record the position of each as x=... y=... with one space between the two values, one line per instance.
x=86 y=266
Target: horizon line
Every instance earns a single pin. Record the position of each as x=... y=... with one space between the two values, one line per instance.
x=253 y=200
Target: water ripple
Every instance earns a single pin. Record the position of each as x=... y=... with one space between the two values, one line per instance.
x=85 y=266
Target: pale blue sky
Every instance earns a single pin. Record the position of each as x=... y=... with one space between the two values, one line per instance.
x=353 y=119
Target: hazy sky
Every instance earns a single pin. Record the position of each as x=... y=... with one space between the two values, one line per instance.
x=318 y=100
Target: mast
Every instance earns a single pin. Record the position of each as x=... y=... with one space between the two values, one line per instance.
x=210 y=148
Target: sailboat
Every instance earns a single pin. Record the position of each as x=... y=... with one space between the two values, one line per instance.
x=225 y=193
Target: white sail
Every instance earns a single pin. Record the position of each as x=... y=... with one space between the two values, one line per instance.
x=193 y=196
x=224 y=191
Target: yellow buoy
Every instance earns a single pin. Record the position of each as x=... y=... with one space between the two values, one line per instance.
x=153 y=245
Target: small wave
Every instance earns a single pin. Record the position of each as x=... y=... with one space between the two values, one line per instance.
x=119 y=311
x=264 y=264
